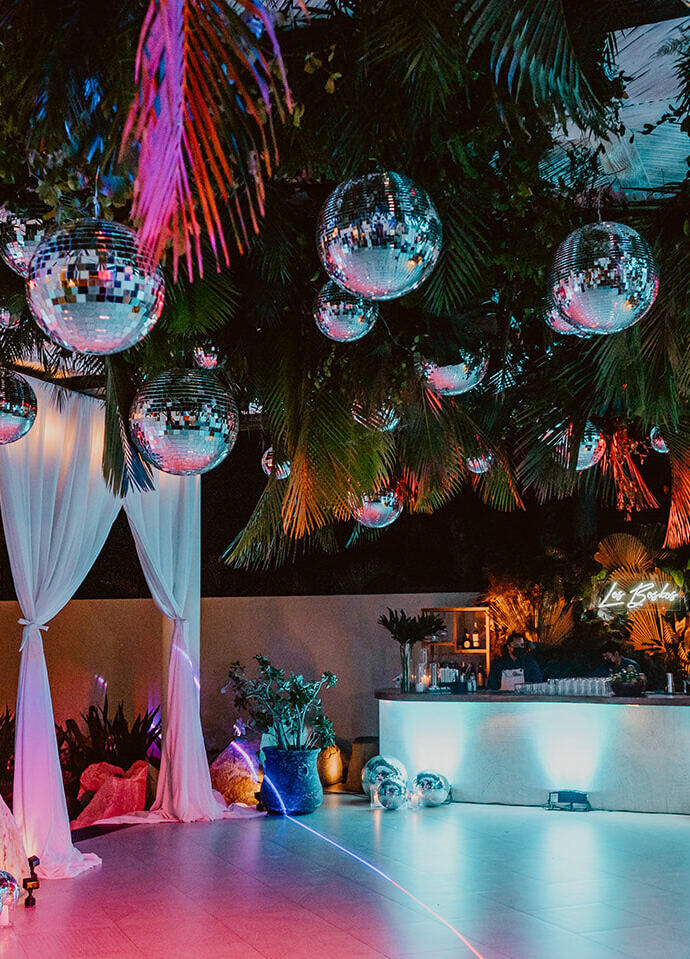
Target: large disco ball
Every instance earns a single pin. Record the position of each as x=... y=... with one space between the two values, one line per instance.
x=480 y=464
x=384 y=418
x=555 y=321
x=379 y=768
x=379 y=236
x=603 y=278
x=391 y=793
x=430 y=788
x=280 y=471
x=657 y=441
x=93 y=288
x=18 y=407
x=20 y=236
x=207 y=356
x=184 y=422
x=341 y=316
x=456 y=378
x=379 y=509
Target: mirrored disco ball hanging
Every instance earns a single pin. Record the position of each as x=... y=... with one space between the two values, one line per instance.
x=10 y=318
x=379 y=768
x=379 y=236
x=553 y=319
x=184 y=421
x=207 y=356
x=391 y=793
x=592 y=447
x=480 y=464
x=19 y=239
x=341 y=316
x=93 y=288
x=279 y=471
x=456 y=378
x=657 y=441
x=384 y=418
x=379 y=509
x=430 y=788
x=604 y=278
x=18 y=407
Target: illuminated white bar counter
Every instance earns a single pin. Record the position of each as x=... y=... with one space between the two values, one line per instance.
x=627 y=754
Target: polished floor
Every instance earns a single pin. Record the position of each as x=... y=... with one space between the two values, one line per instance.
x=516 y=883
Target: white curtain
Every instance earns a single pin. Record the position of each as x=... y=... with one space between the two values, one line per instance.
x=166 y=529
x=57 y=513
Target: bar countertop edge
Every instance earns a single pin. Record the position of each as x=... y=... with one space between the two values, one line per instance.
x=654 y=698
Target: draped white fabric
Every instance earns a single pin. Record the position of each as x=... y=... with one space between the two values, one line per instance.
x=57 y=513
x=166 y=529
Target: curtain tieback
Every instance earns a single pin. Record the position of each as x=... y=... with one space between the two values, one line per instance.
x=26 y=623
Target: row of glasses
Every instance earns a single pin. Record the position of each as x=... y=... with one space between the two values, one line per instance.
x=578 y=686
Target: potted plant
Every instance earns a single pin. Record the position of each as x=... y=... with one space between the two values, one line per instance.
x=406 y=631
x=628 y=682
x=290 y=708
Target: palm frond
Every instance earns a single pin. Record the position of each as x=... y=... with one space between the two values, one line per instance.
x=122 y=465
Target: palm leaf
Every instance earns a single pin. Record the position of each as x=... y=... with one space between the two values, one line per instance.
x=122 y=465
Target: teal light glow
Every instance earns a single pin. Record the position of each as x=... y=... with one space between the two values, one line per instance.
x=568 y=740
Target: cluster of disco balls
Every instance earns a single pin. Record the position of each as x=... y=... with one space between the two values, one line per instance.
x=385 y=782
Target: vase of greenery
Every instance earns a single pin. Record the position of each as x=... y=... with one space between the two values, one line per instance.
x=289 y=708
x=628 y=682
x=406 y=631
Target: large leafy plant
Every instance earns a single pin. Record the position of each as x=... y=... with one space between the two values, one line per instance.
x=411 y=629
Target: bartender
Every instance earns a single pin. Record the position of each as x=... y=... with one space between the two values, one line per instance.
x=612 y=660
x=514 y=667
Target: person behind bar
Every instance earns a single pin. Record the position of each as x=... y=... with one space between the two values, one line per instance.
x=514 y=667
x=612 y=660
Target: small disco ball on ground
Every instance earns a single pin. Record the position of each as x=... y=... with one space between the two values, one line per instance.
x=9 y=895
x=93 y=288
x=380 y=768
x=480 y=464
x=184 y=422
x=18 y=407
x=657 y=441
x=456 y=378
x=378 y=510
x=20 y=236
x=207 y=356
x=604 y=278
x=379 y=236
x=342 y=317
x=384 y=418
x=391 y=793
x=430 y=789
x=279 y=471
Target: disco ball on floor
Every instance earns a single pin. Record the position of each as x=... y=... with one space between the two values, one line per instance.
x=93 y=288
x=604 y=278
x=378 y=510
x=657 y=441
x=207 y=356
x=379 y=236
x=430 y=788
x=379 y=768
x=456 y=378
x=480 y=464
x=279 y=471
x=341 y=316
x=391 y=793
x=20 y=235
x=18 y=407
x=184 y=422
x=9 y=895
x=384 y=418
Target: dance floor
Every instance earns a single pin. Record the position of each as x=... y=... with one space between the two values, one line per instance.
x=514 y=882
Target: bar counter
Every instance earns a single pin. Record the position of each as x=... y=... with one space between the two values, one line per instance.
x=627 y=754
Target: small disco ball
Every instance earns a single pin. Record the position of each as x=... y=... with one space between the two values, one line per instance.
x=10 y=318
x=380 y=768
x=430 y=788
x=592 y=447
x=9 y=892
x=19 y=238
x=379 y=509
x=93 y=288
x=657 y=441
x=480 y=464
x=279 y=471
x=391 y=793
x=456 y=378
x=384 y=419
x=604 y=278
x=18 y=407
x=553 y=319
x=184 y=421
x=379 y=236
x=207 y=356
x=341 y=316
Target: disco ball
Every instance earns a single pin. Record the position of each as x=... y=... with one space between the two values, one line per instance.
x=480 y=464
x=456 y=378
x=18 y=407
x=94 y=289
x=10 y=318
x=184 y=422
x=380 y=768
x=280 y=471
x=384 y=419
x=592 y=447
x=553 y=319
x=430 y=788
x=391 y=793
x=379 y=236
x=379 y=509
x=657 y=440
x=603 y=278
x=9 y=893
x=207 y=356
x=19 y=238
x=341 y=316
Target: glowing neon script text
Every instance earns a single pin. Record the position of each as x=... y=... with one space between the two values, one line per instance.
x=639 y=595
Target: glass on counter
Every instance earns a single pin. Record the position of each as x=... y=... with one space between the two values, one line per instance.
x=577 y=686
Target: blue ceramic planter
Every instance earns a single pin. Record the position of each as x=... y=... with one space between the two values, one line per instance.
x=291 y=783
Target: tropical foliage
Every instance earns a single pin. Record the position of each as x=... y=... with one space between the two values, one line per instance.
x=177 y=112
x=411 y=629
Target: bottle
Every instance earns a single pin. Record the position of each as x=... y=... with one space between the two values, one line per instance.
x=481 y=678
x=471 y=681
x=475 y=637
x=466 y=642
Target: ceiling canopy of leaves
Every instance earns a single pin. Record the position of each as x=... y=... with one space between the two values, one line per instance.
x=220 y=129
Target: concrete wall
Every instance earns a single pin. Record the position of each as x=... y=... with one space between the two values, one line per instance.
x=120 y=640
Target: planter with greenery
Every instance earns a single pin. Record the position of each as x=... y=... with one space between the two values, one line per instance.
x=408 y=630
x=290 y=709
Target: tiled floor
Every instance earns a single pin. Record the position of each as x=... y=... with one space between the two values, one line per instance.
x=516 y=883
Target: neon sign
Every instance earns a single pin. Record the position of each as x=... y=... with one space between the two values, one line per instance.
x=639 y=595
